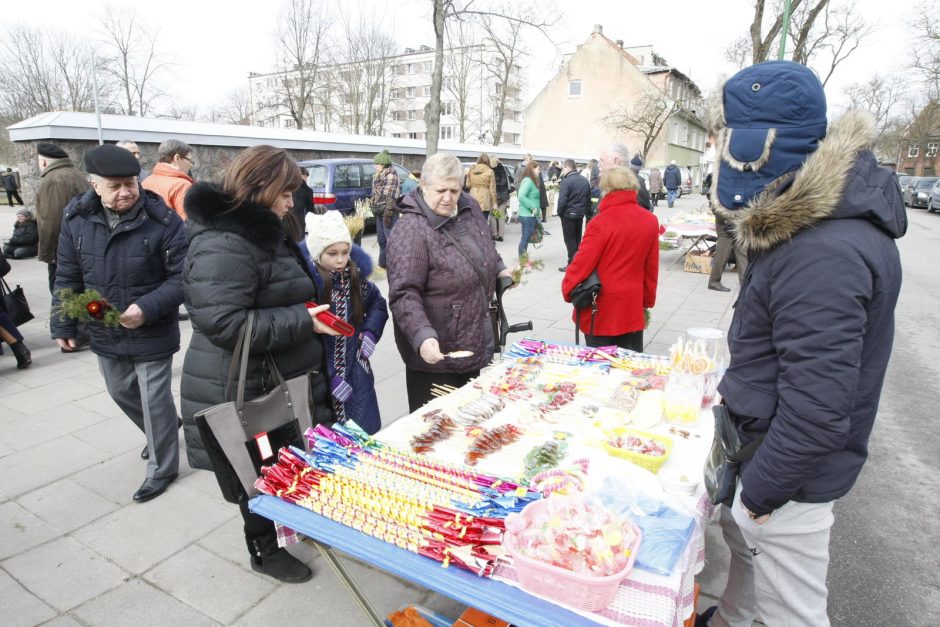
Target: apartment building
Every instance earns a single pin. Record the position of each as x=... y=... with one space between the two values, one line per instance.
x=387 y=97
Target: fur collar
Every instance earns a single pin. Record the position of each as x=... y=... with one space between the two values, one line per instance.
x=210 y=207
x=799 y=199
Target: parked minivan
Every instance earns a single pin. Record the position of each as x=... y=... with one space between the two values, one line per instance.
x=339 y=183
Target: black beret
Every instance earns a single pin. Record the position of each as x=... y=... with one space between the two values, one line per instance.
x=51 y=151
x=110 y=160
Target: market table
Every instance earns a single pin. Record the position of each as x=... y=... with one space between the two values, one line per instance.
x=643 y=598
x=698 y=232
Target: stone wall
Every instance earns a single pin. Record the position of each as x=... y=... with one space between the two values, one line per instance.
x=211 y=161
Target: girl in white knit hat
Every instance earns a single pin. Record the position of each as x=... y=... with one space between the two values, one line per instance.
x=343 y=284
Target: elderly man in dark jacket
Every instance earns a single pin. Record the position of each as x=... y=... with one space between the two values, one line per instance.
x=59 y=183
x=126 y=244
x=812 y=330
x=574 y=203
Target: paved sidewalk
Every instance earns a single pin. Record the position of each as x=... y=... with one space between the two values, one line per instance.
x=76 y=550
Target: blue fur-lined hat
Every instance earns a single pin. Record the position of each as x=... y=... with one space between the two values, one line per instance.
x=771 y=117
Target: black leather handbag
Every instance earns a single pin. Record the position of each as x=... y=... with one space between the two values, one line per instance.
x=585 y=295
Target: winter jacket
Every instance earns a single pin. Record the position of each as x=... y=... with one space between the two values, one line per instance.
x=814 y=322
x=59 y=184
x=385 y=190
x=303 y=203
x=139 y=262
x=434 y=291
x=481 y=182
x=9 y=182
x=656 y=181
x=502 y=183
x=574 y=196
x=240 y=260
x=622 y=244
x=25 y=233
x=363 y=405
x=529 y=204
x=672 y=177
x=171 y=184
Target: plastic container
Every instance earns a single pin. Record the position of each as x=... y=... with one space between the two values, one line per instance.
x=711 y=344
x=584 y=592
x=650 y=462
x=683 y=398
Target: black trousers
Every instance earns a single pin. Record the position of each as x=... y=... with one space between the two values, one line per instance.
x=723 y=249
x=630 y=341
x=571 y=229
x=51 y=269
x=419 y=384
x=14 y=194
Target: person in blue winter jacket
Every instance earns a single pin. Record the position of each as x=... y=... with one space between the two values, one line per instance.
x=340 y=271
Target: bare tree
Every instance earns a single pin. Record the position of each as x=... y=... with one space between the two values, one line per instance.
x=235 y=108
x=927 y=54
x=444 y=11
x=460 y=64
x=830 y=40
x=131 y=58
x=503 y=38
x=362 y=74
x=43 y=70
x=301 y=40
x=739 y=53
x=881 y=96
x=646 y=119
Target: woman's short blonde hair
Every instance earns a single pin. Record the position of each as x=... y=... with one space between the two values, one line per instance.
x=441 y=166
x=619 y=178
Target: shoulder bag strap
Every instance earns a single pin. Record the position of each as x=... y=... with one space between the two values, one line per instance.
x=480 y=277
x=239 y=356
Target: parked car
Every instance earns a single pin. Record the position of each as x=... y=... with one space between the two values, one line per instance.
x=510 y=173
x=907 y=188
x=339 y=183
x=933 y=200
x=920 y=191
x=685 y=187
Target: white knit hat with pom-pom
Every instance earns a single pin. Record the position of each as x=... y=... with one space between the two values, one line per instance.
x=325 y=230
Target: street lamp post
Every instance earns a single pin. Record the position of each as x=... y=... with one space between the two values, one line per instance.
x=784 y=32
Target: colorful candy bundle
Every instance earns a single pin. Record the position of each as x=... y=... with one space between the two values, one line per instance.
x=517 y=377
x=563 y=481
x=572 y=355
x=479 y=409
x=446 y=513
x=442 y=427
x=637 y=444
x=559 y=394
x=575 y=534
x=544 y=457
x=491 y=440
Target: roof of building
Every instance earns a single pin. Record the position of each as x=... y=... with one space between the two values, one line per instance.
x=70 y=125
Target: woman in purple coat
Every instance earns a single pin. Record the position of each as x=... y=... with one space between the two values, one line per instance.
x=442 y=269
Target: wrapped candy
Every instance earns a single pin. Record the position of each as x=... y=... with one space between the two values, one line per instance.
x=491 y=440
x=442 y=427
x=544 y=457
x=576 y=534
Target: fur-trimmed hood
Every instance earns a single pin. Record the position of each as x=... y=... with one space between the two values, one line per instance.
x=209 y=208
x=839 y=180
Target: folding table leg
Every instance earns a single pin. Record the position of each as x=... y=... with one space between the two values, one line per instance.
x=351 y=586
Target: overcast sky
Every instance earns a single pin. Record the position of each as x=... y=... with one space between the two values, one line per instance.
x=215 y=43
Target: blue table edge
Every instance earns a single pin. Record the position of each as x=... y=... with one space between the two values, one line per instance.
x=499 y=599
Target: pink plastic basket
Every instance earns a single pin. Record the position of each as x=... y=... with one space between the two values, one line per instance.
x=584 y=592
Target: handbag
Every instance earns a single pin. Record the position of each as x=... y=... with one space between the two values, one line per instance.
x=250 y=432
x=538 y=234
x=15 y=303
x=723 y=463
x=585 y=295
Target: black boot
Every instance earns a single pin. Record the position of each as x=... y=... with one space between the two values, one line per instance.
x=23 y=357
x=268 y=559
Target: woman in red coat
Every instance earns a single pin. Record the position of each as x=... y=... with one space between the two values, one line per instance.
x=622 y=243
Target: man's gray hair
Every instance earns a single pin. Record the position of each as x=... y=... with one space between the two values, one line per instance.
x=622 y=151
x=171 y=148
x=441 y=166
x=569 y=163
x=126 y=143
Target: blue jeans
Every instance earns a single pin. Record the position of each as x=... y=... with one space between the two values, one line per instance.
x=671 y=196
x=528 y=228
x=381 y=234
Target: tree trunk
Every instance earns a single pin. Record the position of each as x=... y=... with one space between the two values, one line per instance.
x=432 y=111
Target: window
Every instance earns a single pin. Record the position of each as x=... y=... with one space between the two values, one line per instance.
x=574 y=89
x=397 y=93
x=289 y=123
x=412 y=114
x=412 y=68
x=932 y=149
x=425 y=90
x=447 y=108
x=429 y=66
x=346 y=176
x=412 y=136
x=447 y=132
x=913 y=151
x=317 y=177
x=368 y=172
x=410 y=92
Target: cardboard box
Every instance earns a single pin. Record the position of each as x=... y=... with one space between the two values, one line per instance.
x=697 y=262
x=473 y=617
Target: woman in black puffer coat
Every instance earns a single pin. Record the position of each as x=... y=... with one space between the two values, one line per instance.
x=241 y=259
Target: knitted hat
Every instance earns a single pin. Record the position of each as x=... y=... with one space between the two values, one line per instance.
x=636 y=162
x=771 y=118
x=325 y=230
x=111 y=161
x=25 y=213
x=51 y=151
x=383 y=158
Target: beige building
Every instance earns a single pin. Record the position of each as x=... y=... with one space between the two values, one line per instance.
x=601 y=79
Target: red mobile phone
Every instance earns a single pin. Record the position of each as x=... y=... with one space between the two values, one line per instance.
x=329 y=319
